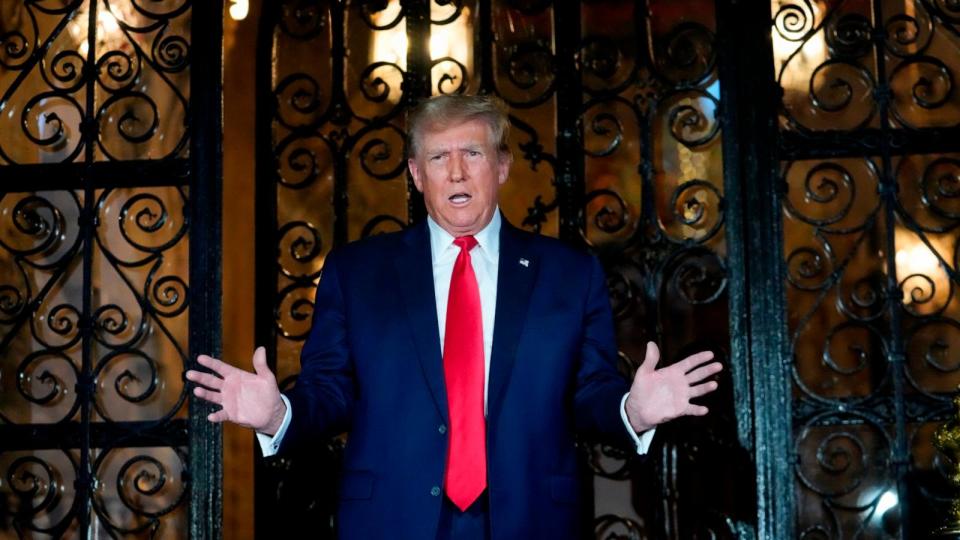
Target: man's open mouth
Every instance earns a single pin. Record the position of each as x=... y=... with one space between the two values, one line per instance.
x=459 y=198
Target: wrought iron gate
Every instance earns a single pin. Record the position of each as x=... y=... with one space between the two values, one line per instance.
x=850 y=148
x=109 y=280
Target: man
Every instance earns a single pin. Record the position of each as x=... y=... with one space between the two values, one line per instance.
x=462 y=355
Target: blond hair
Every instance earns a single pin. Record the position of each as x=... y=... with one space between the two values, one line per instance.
x=440 y=112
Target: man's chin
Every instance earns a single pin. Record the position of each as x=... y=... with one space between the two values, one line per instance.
x=463 y=225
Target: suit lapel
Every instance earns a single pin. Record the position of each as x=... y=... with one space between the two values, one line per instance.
x=415 y=268
x=516 y=274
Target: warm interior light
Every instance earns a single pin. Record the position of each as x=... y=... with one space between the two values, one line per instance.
x=914 y=258
x=239 y=9
x=451 y=40
x=109 y=33
x=796 y=22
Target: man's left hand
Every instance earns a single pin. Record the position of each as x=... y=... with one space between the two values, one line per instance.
x=660 y=395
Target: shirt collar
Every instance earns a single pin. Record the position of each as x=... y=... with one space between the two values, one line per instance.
x=488 y=239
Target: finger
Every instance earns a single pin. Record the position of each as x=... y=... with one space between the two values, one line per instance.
x=697 y=410
x=702 y=389
x=703 y=372
x=219 y=367
x=208 y=395
x=206 y=379
x=651 y=358
x=217 y=417
x=693 y=361
x=260 y=362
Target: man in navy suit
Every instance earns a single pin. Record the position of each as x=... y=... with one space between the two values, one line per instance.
x=462 y=355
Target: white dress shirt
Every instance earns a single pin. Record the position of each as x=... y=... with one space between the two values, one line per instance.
x=484 y=258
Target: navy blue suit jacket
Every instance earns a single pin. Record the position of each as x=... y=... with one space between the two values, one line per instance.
x=372 y=366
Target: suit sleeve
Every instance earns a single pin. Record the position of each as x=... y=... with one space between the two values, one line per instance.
x=599 y=386
x=321 y=401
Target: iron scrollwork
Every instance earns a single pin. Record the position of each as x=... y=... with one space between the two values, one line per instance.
x=870 y=256
x=140 y=57
x=93 y=270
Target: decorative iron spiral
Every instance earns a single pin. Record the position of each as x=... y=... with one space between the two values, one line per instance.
x=940 y=190
x=169 y=296
x=850 y=346
x=829 y=192
x=375 y=88
x=172 y=53
x=849 y=36
x=689 y=121
x=831 y=86
x=118 y=71
x=125 y=381
x=380 y=159
x=56 y=387
x=609 y=218
x=907 y=35
x=698 y=204
x=28 y=485
x=839 y=461
x=450 y=80
x=809 y=267
x=603 y=132
x=794 y=21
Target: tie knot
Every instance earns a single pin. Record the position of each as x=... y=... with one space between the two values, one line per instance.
x=465 y=243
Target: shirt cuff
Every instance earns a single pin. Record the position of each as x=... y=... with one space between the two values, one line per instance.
x=642 y=440
x=271 y=445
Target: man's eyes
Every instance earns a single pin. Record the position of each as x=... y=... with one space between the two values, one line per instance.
x=468 y=153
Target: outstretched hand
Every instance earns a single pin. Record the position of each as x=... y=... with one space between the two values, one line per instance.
x=249 y=399
x=660 y=395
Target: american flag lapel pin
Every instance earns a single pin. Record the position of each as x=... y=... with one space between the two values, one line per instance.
x=525 y=263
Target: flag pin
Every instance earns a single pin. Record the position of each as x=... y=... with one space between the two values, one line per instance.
x=525 y=262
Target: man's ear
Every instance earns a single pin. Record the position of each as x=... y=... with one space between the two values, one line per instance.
x=503 y=167
x=415 y=173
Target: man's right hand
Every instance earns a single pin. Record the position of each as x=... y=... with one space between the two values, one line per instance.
x=248 y=399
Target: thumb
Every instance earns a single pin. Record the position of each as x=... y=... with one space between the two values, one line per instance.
x=651 y=358
x=260 y=362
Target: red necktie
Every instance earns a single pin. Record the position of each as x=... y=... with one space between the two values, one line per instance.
x=463 y=370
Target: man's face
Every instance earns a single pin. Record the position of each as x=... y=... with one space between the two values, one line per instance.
x=459 y=171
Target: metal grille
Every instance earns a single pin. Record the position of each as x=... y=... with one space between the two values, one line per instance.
x=617 y=145
x=871 y=185
x=110 y=195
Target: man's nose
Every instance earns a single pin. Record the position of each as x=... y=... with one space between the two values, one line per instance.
x=456 y=168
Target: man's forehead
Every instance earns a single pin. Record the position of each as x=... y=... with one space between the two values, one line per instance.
x=454 y=144
x=456 y=135
x=441 y=126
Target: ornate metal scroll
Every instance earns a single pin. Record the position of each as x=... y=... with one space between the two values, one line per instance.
x=653 y=209
x=97 y=255
x=115 y=81
x=617 y=145
x=870 y=252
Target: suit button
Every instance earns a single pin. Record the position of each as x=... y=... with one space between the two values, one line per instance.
x=442 y=429
x=435 y=491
